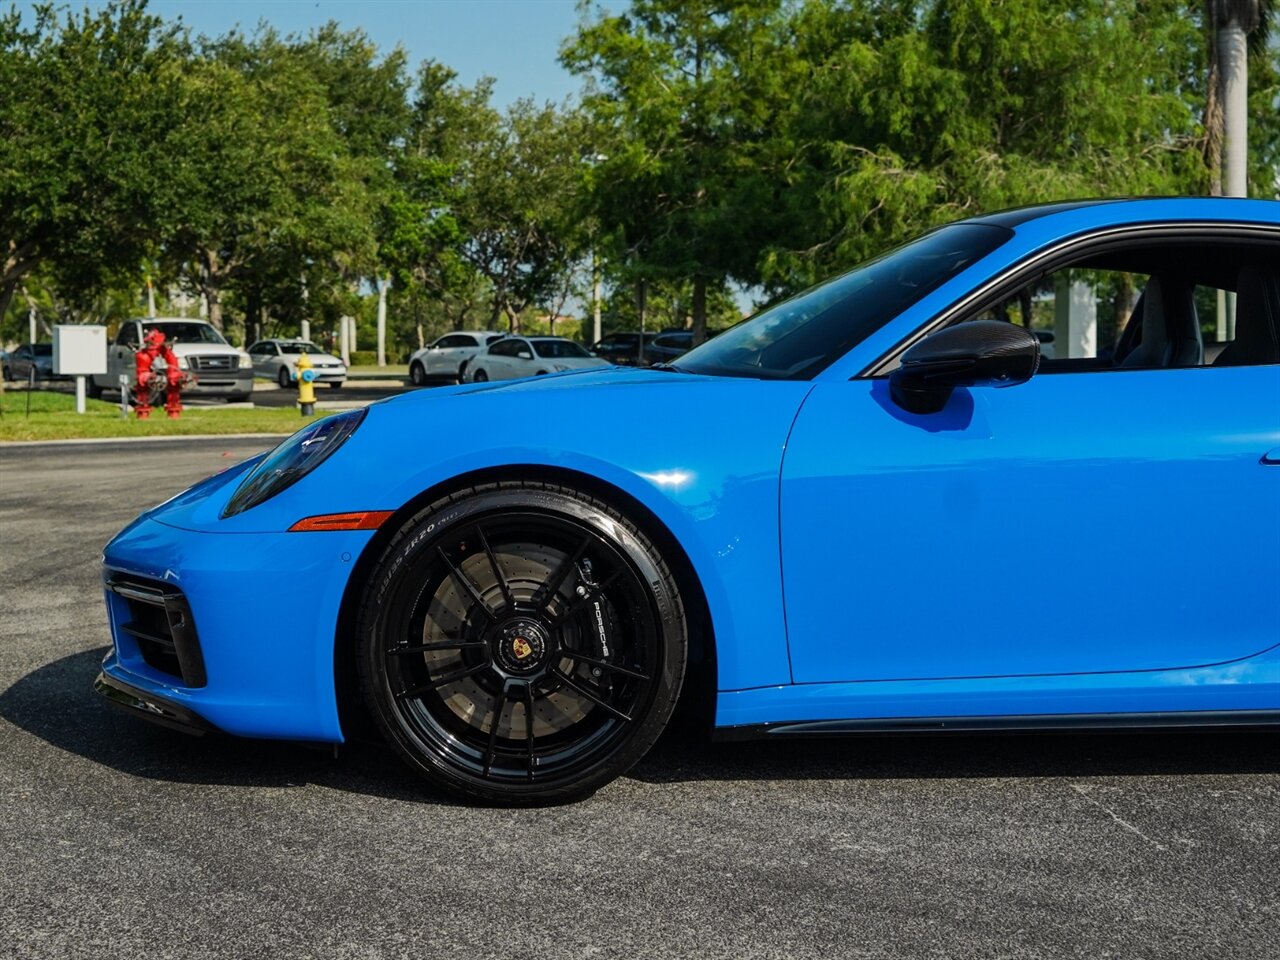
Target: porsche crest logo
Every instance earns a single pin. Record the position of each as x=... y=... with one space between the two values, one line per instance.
x=520 y=647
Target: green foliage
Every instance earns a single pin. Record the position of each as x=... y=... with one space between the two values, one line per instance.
x=756 y=143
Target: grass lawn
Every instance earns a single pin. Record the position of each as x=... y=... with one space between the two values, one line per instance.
x=54 y=417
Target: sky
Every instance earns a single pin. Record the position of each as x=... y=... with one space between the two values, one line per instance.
x=514 y=41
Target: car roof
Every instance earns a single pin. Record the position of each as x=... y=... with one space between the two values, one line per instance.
x=1104 y=210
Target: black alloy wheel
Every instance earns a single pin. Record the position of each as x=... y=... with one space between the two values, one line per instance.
x=521 y=643
x=417 y=375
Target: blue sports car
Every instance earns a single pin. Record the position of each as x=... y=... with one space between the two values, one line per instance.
x=1020 y=473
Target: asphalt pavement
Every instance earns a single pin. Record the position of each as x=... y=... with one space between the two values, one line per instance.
x=122 y=839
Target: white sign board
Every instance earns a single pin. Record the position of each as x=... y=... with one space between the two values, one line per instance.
x=79 y=351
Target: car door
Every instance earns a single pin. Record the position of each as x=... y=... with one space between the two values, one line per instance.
x=258 y=355
x=121 y=356
x=1111 y=520
x=447 y=355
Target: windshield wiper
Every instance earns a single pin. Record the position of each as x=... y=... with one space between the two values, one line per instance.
x=668 y=367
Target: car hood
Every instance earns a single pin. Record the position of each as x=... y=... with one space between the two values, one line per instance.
x=603 y=426
x=325 y=358
x=576 y=363
x=204 y=349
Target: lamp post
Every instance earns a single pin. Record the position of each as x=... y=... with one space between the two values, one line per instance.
x=594 y=159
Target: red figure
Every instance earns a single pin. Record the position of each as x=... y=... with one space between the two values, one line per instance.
x=153 y=346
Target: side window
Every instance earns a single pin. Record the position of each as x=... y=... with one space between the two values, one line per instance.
x=456 y=340
x=1213 y=303
x=502 y=348
x=128 y=335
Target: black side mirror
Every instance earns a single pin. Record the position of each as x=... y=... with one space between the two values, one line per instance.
x=976 y=354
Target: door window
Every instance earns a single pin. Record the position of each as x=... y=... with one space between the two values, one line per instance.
x=1168 y=305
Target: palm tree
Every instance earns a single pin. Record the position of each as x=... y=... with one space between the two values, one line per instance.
x=1236 y=27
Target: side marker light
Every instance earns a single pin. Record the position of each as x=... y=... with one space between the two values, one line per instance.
x=359 y=520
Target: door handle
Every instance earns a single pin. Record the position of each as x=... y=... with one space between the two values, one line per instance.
x=1272 y=457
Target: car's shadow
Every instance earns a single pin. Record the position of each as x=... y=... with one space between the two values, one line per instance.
x=56 y=704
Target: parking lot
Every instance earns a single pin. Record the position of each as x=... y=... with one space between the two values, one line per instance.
x=120 y=838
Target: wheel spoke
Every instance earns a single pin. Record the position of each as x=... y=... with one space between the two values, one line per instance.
x=441 y=681
x=552 y=586
x=528 y=728
x=466 y=585
x=608 y=708
x=604 y=664
x=441 y=645
x=497 y=571
x=492 y=747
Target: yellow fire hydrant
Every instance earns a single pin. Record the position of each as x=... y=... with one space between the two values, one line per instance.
x=306 y=386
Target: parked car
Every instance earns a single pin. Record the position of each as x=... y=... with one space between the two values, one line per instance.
x=514 y=357
x=667 y=346
x=219 y=369
x=445 y=361
x=278 y=360
x=514 y=577
x=623 y=349
x=37 y=357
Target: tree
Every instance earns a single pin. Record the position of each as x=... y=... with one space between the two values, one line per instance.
x=1238 y=31
x=85 y=132
x=683 y=90
x=913 y=114
x=266 y=191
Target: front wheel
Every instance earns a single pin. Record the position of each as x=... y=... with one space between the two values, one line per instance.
x=283 y=378
x=417 y=374
x=336 y=384
x=521 y=643
x=480 y=377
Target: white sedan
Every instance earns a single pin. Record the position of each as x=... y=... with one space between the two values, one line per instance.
x=513 y=357
x=445 y=361
x=278 y=361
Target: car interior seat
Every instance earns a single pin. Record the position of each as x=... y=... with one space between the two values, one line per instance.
x=1170 y=327
x=1257 y=323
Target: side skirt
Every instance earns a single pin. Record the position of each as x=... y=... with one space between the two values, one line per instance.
x=1064 y=723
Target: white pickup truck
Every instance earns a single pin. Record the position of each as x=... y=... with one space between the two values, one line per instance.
x=219 y=369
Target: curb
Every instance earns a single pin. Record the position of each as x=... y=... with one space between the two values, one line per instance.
x=91 y=441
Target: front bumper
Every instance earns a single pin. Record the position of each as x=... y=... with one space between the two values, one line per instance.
x=148 y=706
x=218 y=384
x=265 y=607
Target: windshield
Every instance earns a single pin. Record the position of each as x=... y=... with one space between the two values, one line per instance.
x=799 y=337
x=558 y=348
x=42 y=349
x=299 y=346
x=186 y=332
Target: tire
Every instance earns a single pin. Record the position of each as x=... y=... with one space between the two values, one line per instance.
x=8 y=374
x=91 y=389
x=238 y=398
x=462 y=369
x=283 y=378
x=507 y=595
x=417 y=375
x=481 y=377
x=541 y=373
x=336 y=384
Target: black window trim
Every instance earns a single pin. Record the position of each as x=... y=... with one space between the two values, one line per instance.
x=1054 y=257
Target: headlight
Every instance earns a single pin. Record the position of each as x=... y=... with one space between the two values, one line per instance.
x=246 y=362
x=561 y=368
x=293 y=459
x=182 y=362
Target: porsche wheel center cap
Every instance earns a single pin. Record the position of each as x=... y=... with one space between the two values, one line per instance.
x=521 y=646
